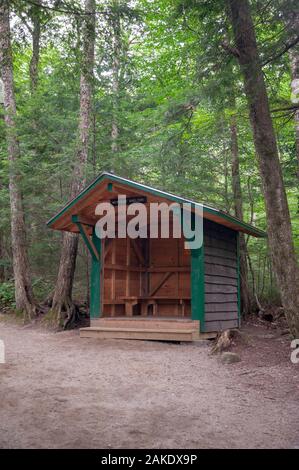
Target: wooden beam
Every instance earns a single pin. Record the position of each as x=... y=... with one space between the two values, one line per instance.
x=96 y=280
x=128 y=260
x=198 y=286
x=88 y=241
x=102 y=274
x=113 y=276
x=158 y=269
x=137 y=251
x=86 y=220
x=108 y=248
x=123 y=267
x=159 y=284
x=85 y=235
x=173 y=269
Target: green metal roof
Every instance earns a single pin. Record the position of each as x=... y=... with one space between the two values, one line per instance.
x=239 y=224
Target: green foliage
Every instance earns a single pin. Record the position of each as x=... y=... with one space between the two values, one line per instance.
x=7 y=294
x=42 y=288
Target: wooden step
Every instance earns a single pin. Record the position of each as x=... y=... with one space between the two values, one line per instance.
x=151 y=323
x=159 y=334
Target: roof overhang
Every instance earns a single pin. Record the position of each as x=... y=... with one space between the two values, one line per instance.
x=107 y=186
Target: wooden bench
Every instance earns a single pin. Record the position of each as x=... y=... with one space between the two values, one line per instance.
x=146 y=301
x=113 y=302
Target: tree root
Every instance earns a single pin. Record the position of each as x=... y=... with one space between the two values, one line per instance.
x=222 y=342
x=29 y=312
x=65 y=314
x=226 y=339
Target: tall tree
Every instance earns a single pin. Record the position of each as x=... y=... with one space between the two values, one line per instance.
x=116 y=51
x=290 y=13
x=33 y=16
x=294 y=56
x=62 y=300
x=36 y=35
x=22 y=278
x=238 y=208
x=278 y=217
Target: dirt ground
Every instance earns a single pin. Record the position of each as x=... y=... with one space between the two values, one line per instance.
x=60 y=391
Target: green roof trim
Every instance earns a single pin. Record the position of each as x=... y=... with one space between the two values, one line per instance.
x=156 y=192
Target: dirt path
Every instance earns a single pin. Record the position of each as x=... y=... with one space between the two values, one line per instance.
x=57 y=390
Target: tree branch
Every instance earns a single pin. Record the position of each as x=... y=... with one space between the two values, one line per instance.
x=229 y=48
x=286 y=108
x=287 y=47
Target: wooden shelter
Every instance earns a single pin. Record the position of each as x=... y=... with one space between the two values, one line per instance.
x=155 y=288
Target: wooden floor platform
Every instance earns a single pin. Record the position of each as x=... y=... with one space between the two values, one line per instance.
x=150 y=328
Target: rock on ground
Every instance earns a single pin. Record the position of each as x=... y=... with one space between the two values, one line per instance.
x=230 y=358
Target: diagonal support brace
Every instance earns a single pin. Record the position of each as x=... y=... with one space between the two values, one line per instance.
x=85 y=235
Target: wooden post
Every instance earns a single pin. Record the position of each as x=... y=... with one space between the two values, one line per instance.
x=94 y=247
x=239 y=278
x=82 y=226
x=198 y=286
x=95 y=281
x=197 y=281
x=113 y=274
x=128 y=261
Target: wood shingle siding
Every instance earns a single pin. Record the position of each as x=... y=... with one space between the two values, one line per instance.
x=221 y=277
x=213 y=316
x=221 y=280
x=221 y=325
x=225 y=297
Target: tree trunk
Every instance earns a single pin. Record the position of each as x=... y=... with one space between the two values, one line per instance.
x=115 y=79
x=22 y=277
x=238 y=208
x=2 y=269
x=36 y=32
x=2 y=251
x=278 y=218
x=226 y=177
x=294 y=58
x=62 y=305
x=295 y=91
x=291 y=16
